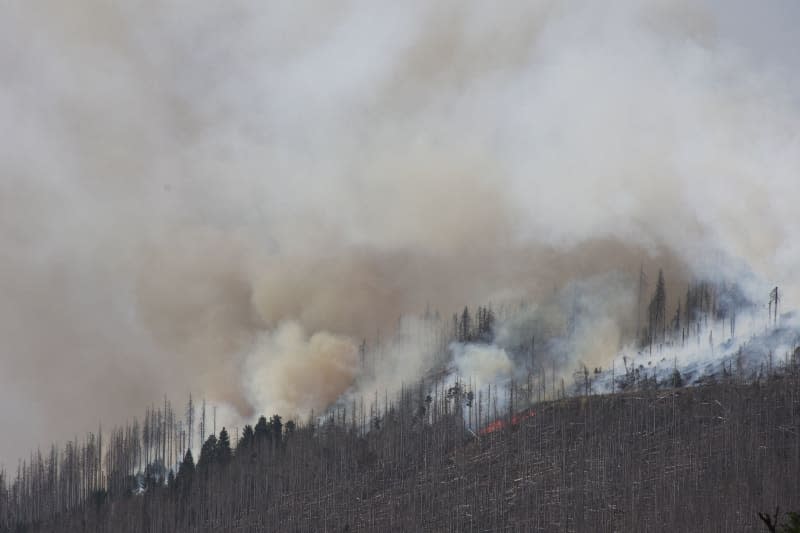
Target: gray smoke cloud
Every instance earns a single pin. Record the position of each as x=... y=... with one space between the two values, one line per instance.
x=225 y=197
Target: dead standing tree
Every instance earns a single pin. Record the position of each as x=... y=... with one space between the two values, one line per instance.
x=773 y=306
x=657 y=312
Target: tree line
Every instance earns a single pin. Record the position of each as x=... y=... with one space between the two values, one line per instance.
x=706 y=303
x=419 y=460
x=691 y=459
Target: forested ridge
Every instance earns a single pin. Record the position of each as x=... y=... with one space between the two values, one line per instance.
x=447 y=454
x=422 y=266
x=704 y=458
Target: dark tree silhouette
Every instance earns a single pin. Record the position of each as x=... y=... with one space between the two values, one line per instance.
x=208 y=453
x=246 y=441
x=223 y=452
x=465 y=326
x=262 y=430
x=657 y=312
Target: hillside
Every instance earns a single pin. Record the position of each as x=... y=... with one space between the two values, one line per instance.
x=703 y=458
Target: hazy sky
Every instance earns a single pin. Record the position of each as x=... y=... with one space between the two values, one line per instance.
x=194 y=193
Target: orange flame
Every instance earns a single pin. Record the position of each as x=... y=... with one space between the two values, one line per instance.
x=501 y=423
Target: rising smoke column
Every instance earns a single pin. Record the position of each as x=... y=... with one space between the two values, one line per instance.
x=179 y=181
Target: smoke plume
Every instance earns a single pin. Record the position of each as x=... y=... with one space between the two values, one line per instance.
x=226 y=198
x=484 y=365
x=297 y=375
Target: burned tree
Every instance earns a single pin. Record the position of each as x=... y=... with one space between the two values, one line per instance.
x=657 y=312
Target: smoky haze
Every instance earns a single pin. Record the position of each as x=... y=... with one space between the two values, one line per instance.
x=226 y=197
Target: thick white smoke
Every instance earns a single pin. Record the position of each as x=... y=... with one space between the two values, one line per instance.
x=193 y=193
x=295 y=374
x=482 y=364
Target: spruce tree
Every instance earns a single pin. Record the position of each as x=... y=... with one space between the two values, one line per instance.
x=186 y=468
x=262 y=430
x=465 y=328
x=207 y=453
x=657 y=312
x=223 y=454
x=276 y=427
x=247 y=439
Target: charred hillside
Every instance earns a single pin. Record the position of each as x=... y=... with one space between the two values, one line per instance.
x=704 y=458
